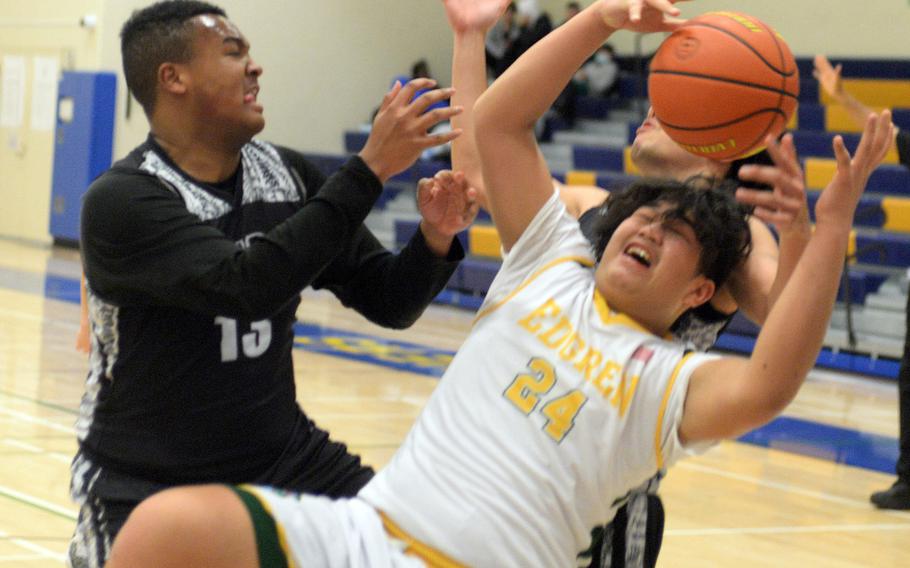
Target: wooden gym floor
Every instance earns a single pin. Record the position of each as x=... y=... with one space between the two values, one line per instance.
x=784 y=501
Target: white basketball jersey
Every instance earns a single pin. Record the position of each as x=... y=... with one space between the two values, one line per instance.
x=552 y=411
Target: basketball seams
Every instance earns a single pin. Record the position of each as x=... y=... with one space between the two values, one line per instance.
x=724 y=80
x=755 y=95
x=773 y=110
x=783 y=86
x=744 y=43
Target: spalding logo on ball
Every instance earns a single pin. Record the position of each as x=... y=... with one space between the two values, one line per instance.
x=721 y=83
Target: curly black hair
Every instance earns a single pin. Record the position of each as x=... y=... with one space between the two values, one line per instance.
x=154 y=35
x=707 y=205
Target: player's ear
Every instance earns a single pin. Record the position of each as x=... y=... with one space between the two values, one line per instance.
x=700 y=291
x=171 y=78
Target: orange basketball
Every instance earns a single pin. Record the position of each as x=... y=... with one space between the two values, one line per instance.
x=721 y=83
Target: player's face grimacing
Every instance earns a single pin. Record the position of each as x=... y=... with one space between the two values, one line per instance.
x=225 y=78
x=650 y=268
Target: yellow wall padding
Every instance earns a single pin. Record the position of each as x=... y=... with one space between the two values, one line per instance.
x=838 y=119
x=897 y=214
x=819 y=172
x=628 y=165
x=484 y=241
x=581 y=177
x=851 y=245
x=875 y=92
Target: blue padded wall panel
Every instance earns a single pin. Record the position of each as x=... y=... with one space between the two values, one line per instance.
x=83 y=146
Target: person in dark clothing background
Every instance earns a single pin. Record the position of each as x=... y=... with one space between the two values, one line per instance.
x=195 y=249
x=898 y=495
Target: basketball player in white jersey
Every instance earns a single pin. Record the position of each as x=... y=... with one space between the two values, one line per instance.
x=565 y=396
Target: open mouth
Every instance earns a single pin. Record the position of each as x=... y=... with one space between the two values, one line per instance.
x=639 y=255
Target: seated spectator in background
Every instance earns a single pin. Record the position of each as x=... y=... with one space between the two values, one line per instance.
x=499 y=41
x=572 y=10
x=599 y=76
x=421 y=70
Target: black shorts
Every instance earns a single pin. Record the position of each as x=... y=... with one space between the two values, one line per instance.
x=311 y=463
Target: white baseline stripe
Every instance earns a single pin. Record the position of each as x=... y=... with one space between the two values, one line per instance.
x=789 y=530
x=37 y=502
x=32 y=547
x=21 y=558
x=37 y=450
x=788 y=488
x=40 y=421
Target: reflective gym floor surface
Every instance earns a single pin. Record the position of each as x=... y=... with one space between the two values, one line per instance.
x=793 y=494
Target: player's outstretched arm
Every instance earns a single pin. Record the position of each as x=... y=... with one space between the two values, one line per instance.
x=758 y=284
x=830 y=80
x=515 y=174
x=470 y=21
x=731 y=396
x=399 y=133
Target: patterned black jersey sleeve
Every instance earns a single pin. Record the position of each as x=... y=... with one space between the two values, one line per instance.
x=389 y=289
x=143 y=244
x=903 y=147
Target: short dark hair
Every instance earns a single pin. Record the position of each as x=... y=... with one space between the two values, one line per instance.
x=718 y=220
x=154 y=35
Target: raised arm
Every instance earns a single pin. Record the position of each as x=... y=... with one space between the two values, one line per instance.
x=759 y=282
x=830 y=80
x=731 y=396
x=470 y=21
x=515 y=174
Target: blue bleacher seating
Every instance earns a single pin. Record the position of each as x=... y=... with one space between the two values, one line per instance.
x=592 y=107
x=890 y=179
x=354 y=140
x=889 y=249
x=818 y=143
x=869 y=212
x=810 y=116
x=597 y=158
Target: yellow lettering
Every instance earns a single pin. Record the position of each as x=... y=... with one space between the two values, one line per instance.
x=572 y=347
x=607 y=374
x=550 y=337
x=549 y=309
x=589 y=362
x=739 y=18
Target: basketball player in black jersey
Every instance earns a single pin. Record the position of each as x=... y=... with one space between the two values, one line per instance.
x=195 y=249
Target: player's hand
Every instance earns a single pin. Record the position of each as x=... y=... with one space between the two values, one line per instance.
x=785 y=206
x=838 y=201
x=399 y=133
x=643 y=16
x=474 y=15
x=829 y=77
x=448 y=206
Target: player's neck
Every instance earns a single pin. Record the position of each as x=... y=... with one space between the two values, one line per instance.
x=202 y=161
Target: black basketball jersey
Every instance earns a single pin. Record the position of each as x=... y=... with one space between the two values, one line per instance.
x=902 y=141
x=193 y=290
